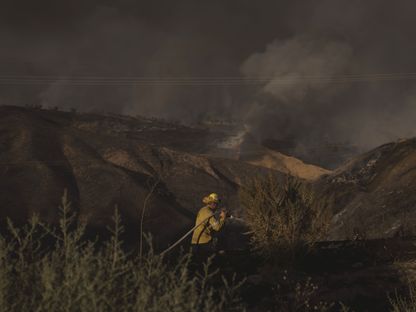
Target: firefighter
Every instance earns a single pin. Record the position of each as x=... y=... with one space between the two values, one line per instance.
x=202 y=238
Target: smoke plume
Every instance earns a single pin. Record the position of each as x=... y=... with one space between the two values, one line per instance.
x=311 y=72
x=339 y=78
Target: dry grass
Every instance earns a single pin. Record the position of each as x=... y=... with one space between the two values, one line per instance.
x=405 y=303
x=74 y=274
x=284 y=219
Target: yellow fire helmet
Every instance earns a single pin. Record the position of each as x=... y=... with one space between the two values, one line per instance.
x=211 y=198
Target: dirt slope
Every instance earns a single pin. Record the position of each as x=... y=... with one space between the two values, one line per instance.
x=290 y=165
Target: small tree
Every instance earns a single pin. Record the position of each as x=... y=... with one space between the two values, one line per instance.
x=152 y=188
x=283 y=218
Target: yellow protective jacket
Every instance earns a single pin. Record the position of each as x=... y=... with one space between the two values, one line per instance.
x=203 y=233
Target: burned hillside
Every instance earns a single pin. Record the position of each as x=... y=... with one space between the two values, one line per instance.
x=374 y=194
x=108 y=161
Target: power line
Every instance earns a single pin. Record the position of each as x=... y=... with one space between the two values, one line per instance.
x=48 y=162
x=202 y=81
x=210 y=77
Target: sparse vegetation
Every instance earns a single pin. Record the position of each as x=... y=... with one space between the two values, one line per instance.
x=284 y=219
x=75 y=274
x=290 y=295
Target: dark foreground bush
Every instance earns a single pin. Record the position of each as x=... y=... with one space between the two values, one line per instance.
x=76 y=275
x=283 y=219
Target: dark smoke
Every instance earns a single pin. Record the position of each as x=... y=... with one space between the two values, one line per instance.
x=301 y=50
x=309 y=97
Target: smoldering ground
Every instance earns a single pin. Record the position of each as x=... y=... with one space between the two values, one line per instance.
x=321 y=71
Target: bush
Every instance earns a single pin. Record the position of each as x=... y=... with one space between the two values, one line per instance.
x=75 y=274
x=283 y=219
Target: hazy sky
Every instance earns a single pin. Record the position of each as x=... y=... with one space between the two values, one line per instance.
x=311 y=70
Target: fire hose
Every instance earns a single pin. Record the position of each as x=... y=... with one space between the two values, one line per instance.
x=191 y=231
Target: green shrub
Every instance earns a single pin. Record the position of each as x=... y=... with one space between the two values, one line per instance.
x=75 y=274
x=283 y=219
